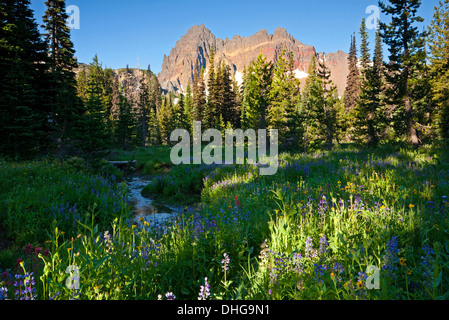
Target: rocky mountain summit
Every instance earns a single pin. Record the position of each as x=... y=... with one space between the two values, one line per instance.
x=193 y=49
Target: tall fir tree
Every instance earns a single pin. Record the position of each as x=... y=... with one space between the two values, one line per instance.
x=211 y=108
x=258 y=80
x=93 y=136
x=405 y=43
x=370 y=118
x=353 y=80
x=62 y=66
x=307 y=103
x=284 y=97
x=439 y=70
x=199 y=95
x=24 y=106
x=144 y=108
x=126 y=122
x=188 y=108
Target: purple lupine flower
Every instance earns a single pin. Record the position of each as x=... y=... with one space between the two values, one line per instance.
x=298 y=267
x=204 y=291
x=391 y=258
x=322 y=205
x=170 y=296
x=225 y=262
x=323 y=246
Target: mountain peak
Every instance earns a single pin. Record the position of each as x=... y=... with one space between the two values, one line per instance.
x=193 y=50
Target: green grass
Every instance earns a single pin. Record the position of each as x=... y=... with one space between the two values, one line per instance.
x=309 y=232
x=153 y=160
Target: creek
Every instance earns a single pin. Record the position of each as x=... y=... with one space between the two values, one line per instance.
x=154 y=213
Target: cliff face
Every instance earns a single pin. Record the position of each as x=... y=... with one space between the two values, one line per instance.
x=193 y=49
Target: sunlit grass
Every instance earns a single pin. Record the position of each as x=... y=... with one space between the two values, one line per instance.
x=310 y=232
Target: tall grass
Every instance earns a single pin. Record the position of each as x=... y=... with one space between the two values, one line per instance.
x=313 y=231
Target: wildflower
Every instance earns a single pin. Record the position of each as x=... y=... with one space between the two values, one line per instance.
x=323 y=245
x=310 y=252
x=204 y=291
x=411 y=206
x=170 y=296
x=360 y=284
x=225 y=262
x=390 y=257
x=402 y=262
x=141 y=219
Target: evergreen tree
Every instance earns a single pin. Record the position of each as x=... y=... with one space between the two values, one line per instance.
x=199 y=95
x=405 y=43
x=24 y=107
x=370 y=118
x=228 y=102
x=126 y=121
x=439 y=70
x=62 y=66
x=144 y=112
x=353 y=81
x=256 y=99
x=108 y=95
x=188 y=108
x=307 y=102
x=92 y=134
x=284 y=97
x=321 y=102
x=211 y=109
x=365 y=58
x=165 y=120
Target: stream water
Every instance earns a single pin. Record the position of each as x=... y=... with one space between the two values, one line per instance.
x=154 y=213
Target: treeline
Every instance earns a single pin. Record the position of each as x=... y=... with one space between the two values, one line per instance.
x=47 y=108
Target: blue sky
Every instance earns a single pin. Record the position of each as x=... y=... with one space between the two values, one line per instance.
x=123 y=32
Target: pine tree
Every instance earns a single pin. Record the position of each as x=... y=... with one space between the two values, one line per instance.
x=165 y=120
x=256 y=94
x=24 y=107
x=405 y=43
x=199 y=95
x=228 y=101
x=108 y=96
x=284 y=97
x=144 y=111
x=125 y=127
x=211 y=109
x=92 y=134
x=370 y=120
x=188 y=108
x=439 y=70
x=365 y=58
x=307 y=102
x=62 y=66
x=329 y=102
x=321 y=102
x=353 y=81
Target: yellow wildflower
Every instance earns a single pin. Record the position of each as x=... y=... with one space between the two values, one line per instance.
x=402 y=262
x=360 y=284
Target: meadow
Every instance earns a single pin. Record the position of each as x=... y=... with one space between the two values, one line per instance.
x=312 y=231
